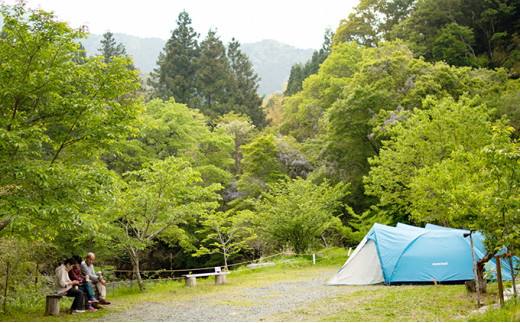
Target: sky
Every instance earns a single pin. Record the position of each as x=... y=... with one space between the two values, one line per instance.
x=300 y=23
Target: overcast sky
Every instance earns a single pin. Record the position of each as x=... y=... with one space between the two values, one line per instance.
x=300 y=23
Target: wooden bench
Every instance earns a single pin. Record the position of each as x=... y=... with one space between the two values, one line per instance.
x=220 y=277
x=52 y=304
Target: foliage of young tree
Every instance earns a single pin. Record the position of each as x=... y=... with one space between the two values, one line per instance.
x=372 y=21
x=177 y=65
x=260 y=166
x=156 y=202
x=55 y=116
x=476 y=189
x=296 y=213
x=240 y=128
x=304 y=110
x=427 y=138
x=226 y=233
x=172 y=129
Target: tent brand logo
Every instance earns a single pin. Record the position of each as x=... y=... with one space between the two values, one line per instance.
x=440 y=264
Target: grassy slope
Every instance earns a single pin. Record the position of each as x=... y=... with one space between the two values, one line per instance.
x=365 y=303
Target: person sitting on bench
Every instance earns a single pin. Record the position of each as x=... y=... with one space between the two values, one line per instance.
x=84 y=284
x=65 y=286
x=87 y=268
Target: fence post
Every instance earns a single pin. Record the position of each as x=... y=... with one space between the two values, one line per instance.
x=6 y=285
x=314 y=259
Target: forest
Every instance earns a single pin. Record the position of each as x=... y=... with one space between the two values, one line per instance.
x=408 y=113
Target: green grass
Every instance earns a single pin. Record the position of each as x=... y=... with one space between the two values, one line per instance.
x=356 y=303
x=510 y=313
x=394 y=303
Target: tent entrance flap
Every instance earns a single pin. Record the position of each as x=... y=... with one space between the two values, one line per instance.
x=363 y=269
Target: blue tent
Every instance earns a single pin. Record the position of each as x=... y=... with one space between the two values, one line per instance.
x=408 y=254
x=480 y=252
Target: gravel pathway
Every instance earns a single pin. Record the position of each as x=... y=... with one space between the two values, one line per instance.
x=251 y=304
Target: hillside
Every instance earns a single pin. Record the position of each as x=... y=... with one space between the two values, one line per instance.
x=271 y=60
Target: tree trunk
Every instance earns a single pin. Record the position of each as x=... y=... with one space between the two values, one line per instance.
x=480 y=272
x=134 y=256
x=4 y=223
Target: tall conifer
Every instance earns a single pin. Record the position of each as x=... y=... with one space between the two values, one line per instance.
x=244 y=93
x=177 y=65
x=214 y=77
x=110 y=48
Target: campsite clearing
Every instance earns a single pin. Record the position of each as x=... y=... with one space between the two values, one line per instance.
x=293 y=294
x=292 y=290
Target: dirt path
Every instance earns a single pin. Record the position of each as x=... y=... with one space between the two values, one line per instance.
x=279 y=301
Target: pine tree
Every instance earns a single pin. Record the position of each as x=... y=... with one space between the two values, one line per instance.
x=109 y=47
x=244 y=89
x=175 y=75
x=214 y=77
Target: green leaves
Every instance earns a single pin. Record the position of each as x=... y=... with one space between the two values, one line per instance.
x=226 y=233
x=428 y=137
x=161 y=195
x=55 y=115
x=297 y=212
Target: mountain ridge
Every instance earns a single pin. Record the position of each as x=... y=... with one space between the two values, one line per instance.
x=271 y=59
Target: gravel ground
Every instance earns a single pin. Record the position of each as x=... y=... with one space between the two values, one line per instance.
x=269 y=303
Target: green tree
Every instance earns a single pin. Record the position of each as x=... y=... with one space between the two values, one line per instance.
x=350 y=140
x=304 y=110
x=173 y=129
x=455 y=46
x=109 y=47
x=296 y=213
x=244 y=87
x=156 y=203
x=55 y=117
x=426 y=139
x=300 y=72
x=240 y=128
x=479 y=33
x=175 y=75
x=226 y=233
x=295 y=81
x=475 y=189
x=260 y=166
x=372 y=21
x=214 y=77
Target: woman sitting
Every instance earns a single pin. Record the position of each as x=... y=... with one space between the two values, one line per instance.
x=65 y=286
x=85 y=285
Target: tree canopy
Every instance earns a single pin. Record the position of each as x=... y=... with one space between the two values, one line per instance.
x=56 y=114
x=207 y=75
